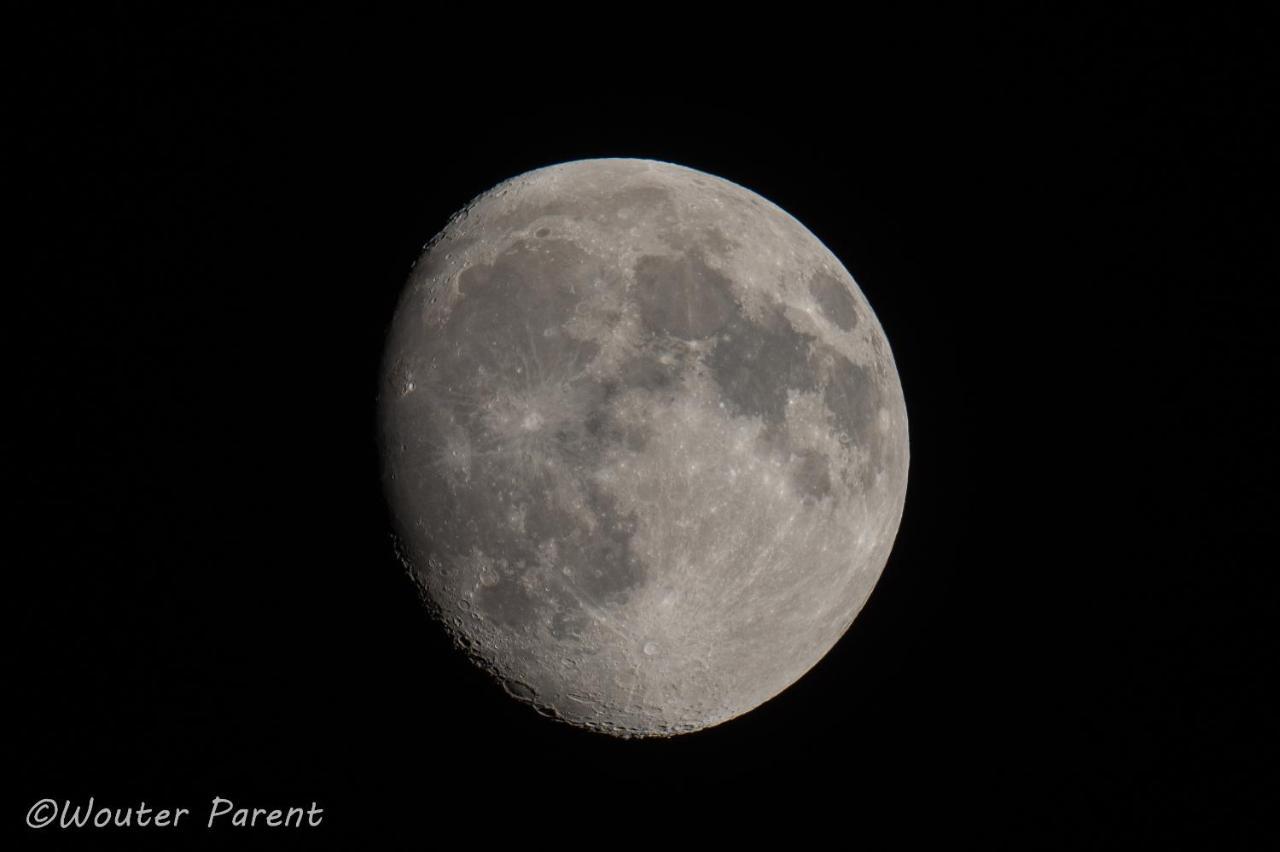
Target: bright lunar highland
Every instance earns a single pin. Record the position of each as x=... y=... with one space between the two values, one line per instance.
x=644 y=443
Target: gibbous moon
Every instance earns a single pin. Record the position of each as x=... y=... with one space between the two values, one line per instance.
x=644 y=443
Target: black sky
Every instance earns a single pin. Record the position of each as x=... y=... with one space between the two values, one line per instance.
x=1061 y=222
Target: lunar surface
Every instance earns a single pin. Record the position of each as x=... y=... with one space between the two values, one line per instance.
x=644 y=443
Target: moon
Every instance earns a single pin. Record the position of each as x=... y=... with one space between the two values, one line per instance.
x=644 y=443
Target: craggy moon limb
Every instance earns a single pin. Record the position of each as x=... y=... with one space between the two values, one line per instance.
x=644 y=443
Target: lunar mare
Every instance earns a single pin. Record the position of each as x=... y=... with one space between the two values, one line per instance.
x=644 y=443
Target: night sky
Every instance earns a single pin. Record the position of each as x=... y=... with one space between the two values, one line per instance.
x=1060 y=222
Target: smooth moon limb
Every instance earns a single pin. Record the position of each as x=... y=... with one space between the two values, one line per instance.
x=644 y=443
